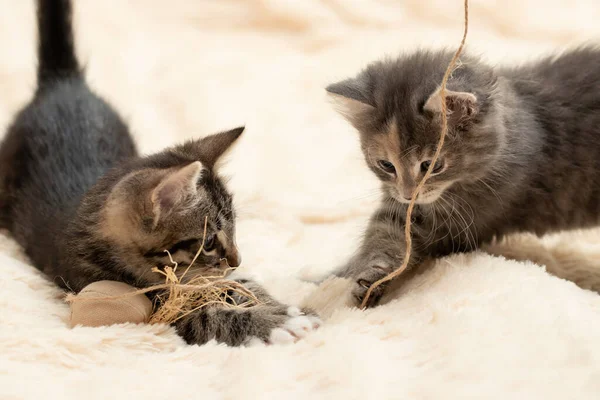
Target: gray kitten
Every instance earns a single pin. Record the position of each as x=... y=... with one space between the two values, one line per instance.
x=85 y=207
x=522 y=153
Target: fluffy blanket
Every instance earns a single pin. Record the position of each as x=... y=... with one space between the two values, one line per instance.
x=472 y=326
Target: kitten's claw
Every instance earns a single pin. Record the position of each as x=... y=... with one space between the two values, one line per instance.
x=364 y=281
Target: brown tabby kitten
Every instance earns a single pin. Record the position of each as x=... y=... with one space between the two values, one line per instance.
x=522 y=153
x=85 y=207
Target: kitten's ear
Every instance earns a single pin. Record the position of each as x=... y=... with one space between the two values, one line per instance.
x=461 y=106
x=174 y=188
x=213 y=147
x=351 y=100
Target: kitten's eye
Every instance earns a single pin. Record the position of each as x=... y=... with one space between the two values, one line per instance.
x=185 y=245
x=209 y=243
x=386 y=166
x=439 y=164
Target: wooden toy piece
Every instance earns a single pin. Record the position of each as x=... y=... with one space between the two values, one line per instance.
x=98 y=304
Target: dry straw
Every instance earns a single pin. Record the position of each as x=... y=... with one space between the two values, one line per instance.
x=443 y=133
x=176 y=299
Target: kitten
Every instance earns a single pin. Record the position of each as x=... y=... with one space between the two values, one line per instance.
x=85 y=207
x=522 y=153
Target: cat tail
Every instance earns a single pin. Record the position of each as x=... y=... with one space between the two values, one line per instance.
x=56 y=49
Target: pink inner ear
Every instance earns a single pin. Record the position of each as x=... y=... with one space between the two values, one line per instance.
x=167 y=196
x=464 y=104
x=461 y=104
x=175 y=188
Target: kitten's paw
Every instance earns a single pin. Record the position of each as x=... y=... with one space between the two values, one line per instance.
x=299 y=324
x=365 y=280
x=261 y=324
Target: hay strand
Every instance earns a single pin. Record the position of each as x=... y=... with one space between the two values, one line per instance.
x=443 y=133
x=177 y=298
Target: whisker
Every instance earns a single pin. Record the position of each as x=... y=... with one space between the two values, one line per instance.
x=472 y=240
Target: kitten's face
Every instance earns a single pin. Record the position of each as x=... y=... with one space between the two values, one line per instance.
x=400 y=164
x=157 y=216
x=396 y=107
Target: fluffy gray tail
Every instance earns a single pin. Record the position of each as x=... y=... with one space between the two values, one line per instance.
x=56 y=50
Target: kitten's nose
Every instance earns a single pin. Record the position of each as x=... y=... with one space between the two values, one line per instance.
x=408 y=187
x=234 y=258
x=229 y=250
x=407 y=192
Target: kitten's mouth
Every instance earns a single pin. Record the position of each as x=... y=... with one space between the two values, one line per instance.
x=423 y=198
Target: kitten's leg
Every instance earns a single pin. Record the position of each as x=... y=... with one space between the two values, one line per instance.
x=381 y=252
x=270 y=322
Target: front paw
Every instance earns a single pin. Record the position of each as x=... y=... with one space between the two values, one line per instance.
x=365 y=279
x=299 y=324
x=242 y=326
x=288 y=326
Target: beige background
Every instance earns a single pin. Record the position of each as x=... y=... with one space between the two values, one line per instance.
x=473 y=326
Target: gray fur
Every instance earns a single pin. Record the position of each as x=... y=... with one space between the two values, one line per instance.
x=85 y=207
x=524 y=157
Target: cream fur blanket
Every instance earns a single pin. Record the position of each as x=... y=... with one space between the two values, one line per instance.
x=473 y=326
